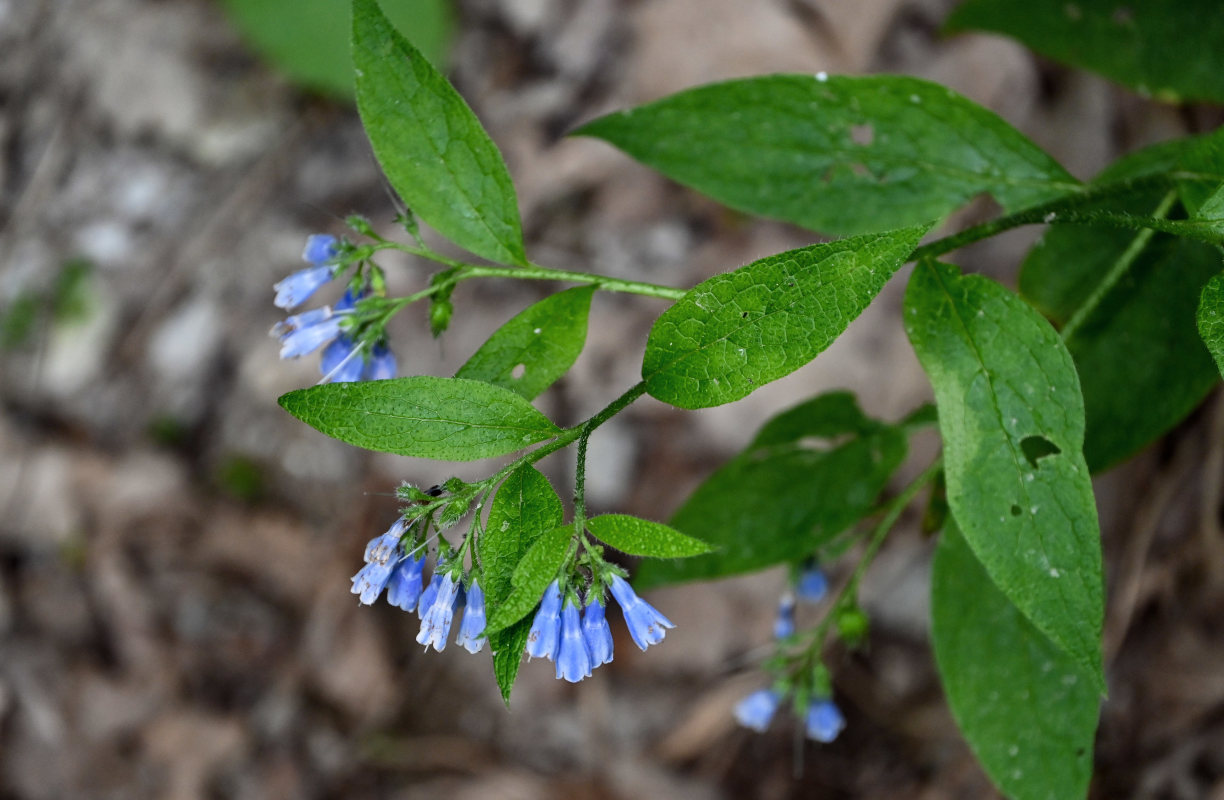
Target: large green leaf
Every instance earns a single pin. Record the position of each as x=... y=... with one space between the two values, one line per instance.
x=1012 y=421
x=429 y=143
x=309 y=39
x=813 y=472
x=735 y=332
x=1132 y=298
x=444 y=418
x=835 y=154
x=537 y=568
x=1211 y=319
x=529 y=353
x=825 y=416
x=641 y=537
x=1167 y=49
x=1026 y=708
x=524 y=508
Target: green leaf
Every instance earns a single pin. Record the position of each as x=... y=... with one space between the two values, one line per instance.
x=538 y=568
x=1026 y=708
x=787 y=494
x=444 y=418
x=1161 y=48
x=508 y=646
x=1125 y=303
x=1211 y=319
x=1201 y=171
x=308 y=39
x=531 y=351
x=824 y=416
x=841 y=155
x=524 y=508
x=429 y=143
x=640 y=537
x=1012 y=421
x=735 y=332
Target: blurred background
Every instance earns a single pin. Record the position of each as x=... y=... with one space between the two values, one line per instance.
x=175 y=616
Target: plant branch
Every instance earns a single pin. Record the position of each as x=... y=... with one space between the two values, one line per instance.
x=1075 y=210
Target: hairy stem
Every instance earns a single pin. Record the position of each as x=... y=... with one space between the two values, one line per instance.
x=1118 y=269
x=539 y=273
x=1075 y=210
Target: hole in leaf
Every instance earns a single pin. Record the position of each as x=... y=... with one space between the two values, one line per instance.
x=519 y=371
x=1037 y=447
x=860 y=170
x=1015 y=510
x=744 y=315
x=862 y=134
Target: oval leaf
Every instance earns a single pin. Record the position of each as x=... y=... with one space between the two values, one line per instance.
x=429 y=143
x=444 y=418
x=531 y=351
x=1027 y=710
x=524 y=508
x=1012 y=422
x=537 y=569
x=1211 y=319
x=309 y=39
x=783 y=497
x=640 y=537
x=836 y=154
x=1150 y=46
x=1132 y=296
x=735 y=332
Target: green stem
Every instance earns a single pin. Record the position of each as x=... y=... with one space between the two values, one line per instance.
x=568 y=435
x=580 y=481
x=880 y=532
x=1118 y=269
x=1073 y=210
x=892 y=511
x=539 y=273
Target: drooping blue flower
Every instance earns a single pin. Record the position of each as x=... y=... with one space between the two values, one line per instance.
x=812 y=585
x=369 y=581
x=471 y=631
x=348 y=301
x=297 y=288
x=381 y=555
x=757 y=709
x=404 y=587
x=427 y=597
x=824 y=721
x=646 y=625
x=543 y=638
x=436 y=624
x=597 y=632
x=306 y=332
x=341 y=361
x=381 y=365
x=784 y=623
x=573 y=659
x=320 y=248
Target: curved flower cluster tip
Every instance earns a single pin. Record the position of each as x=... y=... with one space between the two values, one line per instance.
x=323 y=327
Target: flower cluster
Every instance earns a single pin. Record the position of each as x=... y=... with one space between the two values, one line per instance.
x=388 y=566
x=822 y=718
x=578 y=642
x=574 y=635
x=301 y=334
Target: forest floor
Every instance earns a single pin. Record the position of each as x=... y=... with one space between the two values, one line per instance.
x=175 y=616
